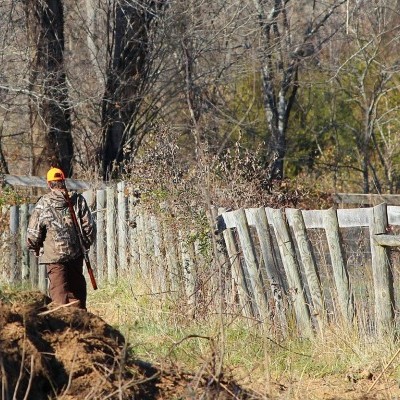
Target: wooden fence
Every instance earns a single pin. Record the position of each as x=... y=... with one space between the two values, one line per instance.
x=158 y=251
x=288 y=269
x=279 y=264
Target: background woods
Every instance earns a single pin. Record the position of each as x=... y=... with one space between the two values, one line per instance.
x=304 y=87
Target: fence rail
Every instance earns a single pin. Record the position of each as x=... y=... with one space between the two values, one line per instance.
x=289 y=269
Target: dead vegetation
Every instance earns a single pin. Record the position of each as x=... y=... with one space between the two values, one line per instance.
x=67 y=353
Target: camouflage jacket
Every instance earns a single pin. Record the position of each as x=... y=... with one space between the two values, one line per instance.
x=51 y=229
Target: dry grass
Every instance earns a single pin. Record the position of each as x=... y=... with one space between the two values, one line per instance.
x=164 y=334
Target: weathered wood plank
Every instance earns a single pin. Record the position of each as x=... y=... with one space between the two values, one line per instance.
x=371 y=199
x=258 y=218
x=250 y=258
x=295 y=220
x=393 y=213
x=238 y=274
x=189 y=271
x=347 y=218
x=122 y=228
x=173 y=270
x=387 y=240
x=33 y=261
x=352 y=218
x=15 y=276
x=24 y=216
x=296 y=290
x=111 y=236
x=340 y=273
x=229 y=219
x=141 y=243
x=100 y=234
x=381 y=272
x=159 y=263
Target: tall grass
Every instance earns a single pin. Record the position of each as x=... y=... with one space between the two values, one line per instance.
x=163 y=334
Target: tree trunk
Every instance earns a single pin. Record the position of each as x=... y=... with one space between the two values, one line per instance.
x=126 y=78
x=51 y=119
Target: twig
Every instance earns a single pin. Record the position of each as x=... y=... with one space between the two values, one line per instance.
x=58 y=307
x=384 y=370
x=28 y=389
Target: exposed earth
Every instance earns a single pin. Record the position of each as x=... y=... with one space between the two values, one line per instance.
x=70 y=354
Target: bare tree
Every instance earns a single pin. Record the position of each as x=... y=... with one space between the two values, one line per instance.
x=127 y=77
x=291 y=32
x=49 y=103
x=368 y=77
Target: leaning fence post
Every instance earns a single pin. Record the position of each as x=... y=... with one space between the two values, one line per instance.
x=296 y=290
x=259 y=219
x=381 y=272
x=340 y=273
x=238 y=273
x=296 y=221
x=253 y=268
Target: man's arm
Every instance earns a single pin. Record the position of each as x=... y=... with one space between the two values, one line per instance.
x=87 y=222
x=35 y=232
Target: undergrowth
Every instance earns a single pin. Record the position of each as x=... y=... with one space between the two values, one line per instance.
x=162 y=334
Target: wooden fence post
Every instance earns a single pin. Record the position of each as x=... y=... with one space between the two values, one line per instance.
x=253 y=268
x=24 y=216
x=174 y=275
x=221 y=264
x=159 y=265
x=381 y=272
x=296 y=289
x=14 y=228
x=189 y=271
x=258 y=218
x=134 y=258
x=238 y=273
x=149 y=251
x=141 y=241
x=341 y=276
x=110 y=235
x=100 y=234
x=296 y=221
x=122 y=228
x=33 y=261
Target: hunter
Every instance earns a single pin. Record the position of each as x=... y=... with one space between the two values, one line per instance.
x=52 y=235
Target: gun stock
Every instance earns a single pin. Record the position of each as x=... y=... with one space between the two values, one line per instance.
x=90 y=272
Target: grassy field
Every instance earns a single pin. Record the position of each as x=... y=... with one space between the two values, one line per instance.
x=163 y=333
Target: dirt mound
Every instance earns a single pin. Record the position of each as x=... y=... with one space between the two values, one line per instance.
x=71 y=354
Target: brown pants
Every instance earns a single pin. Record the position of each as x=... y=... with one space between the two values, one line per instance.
x=67 y=282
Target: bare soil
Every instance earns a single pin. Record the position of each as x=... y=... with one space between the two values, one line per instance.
x=71 y=354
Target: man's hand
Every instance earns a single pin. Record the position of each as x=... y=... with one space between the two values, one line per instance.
x=33 y=247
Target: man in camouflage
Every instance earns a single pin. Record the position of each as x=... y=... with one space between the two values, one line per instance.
x=53 y=237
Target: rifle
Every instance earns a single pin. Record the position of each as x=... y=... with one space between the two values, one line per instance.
x=79 y=233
